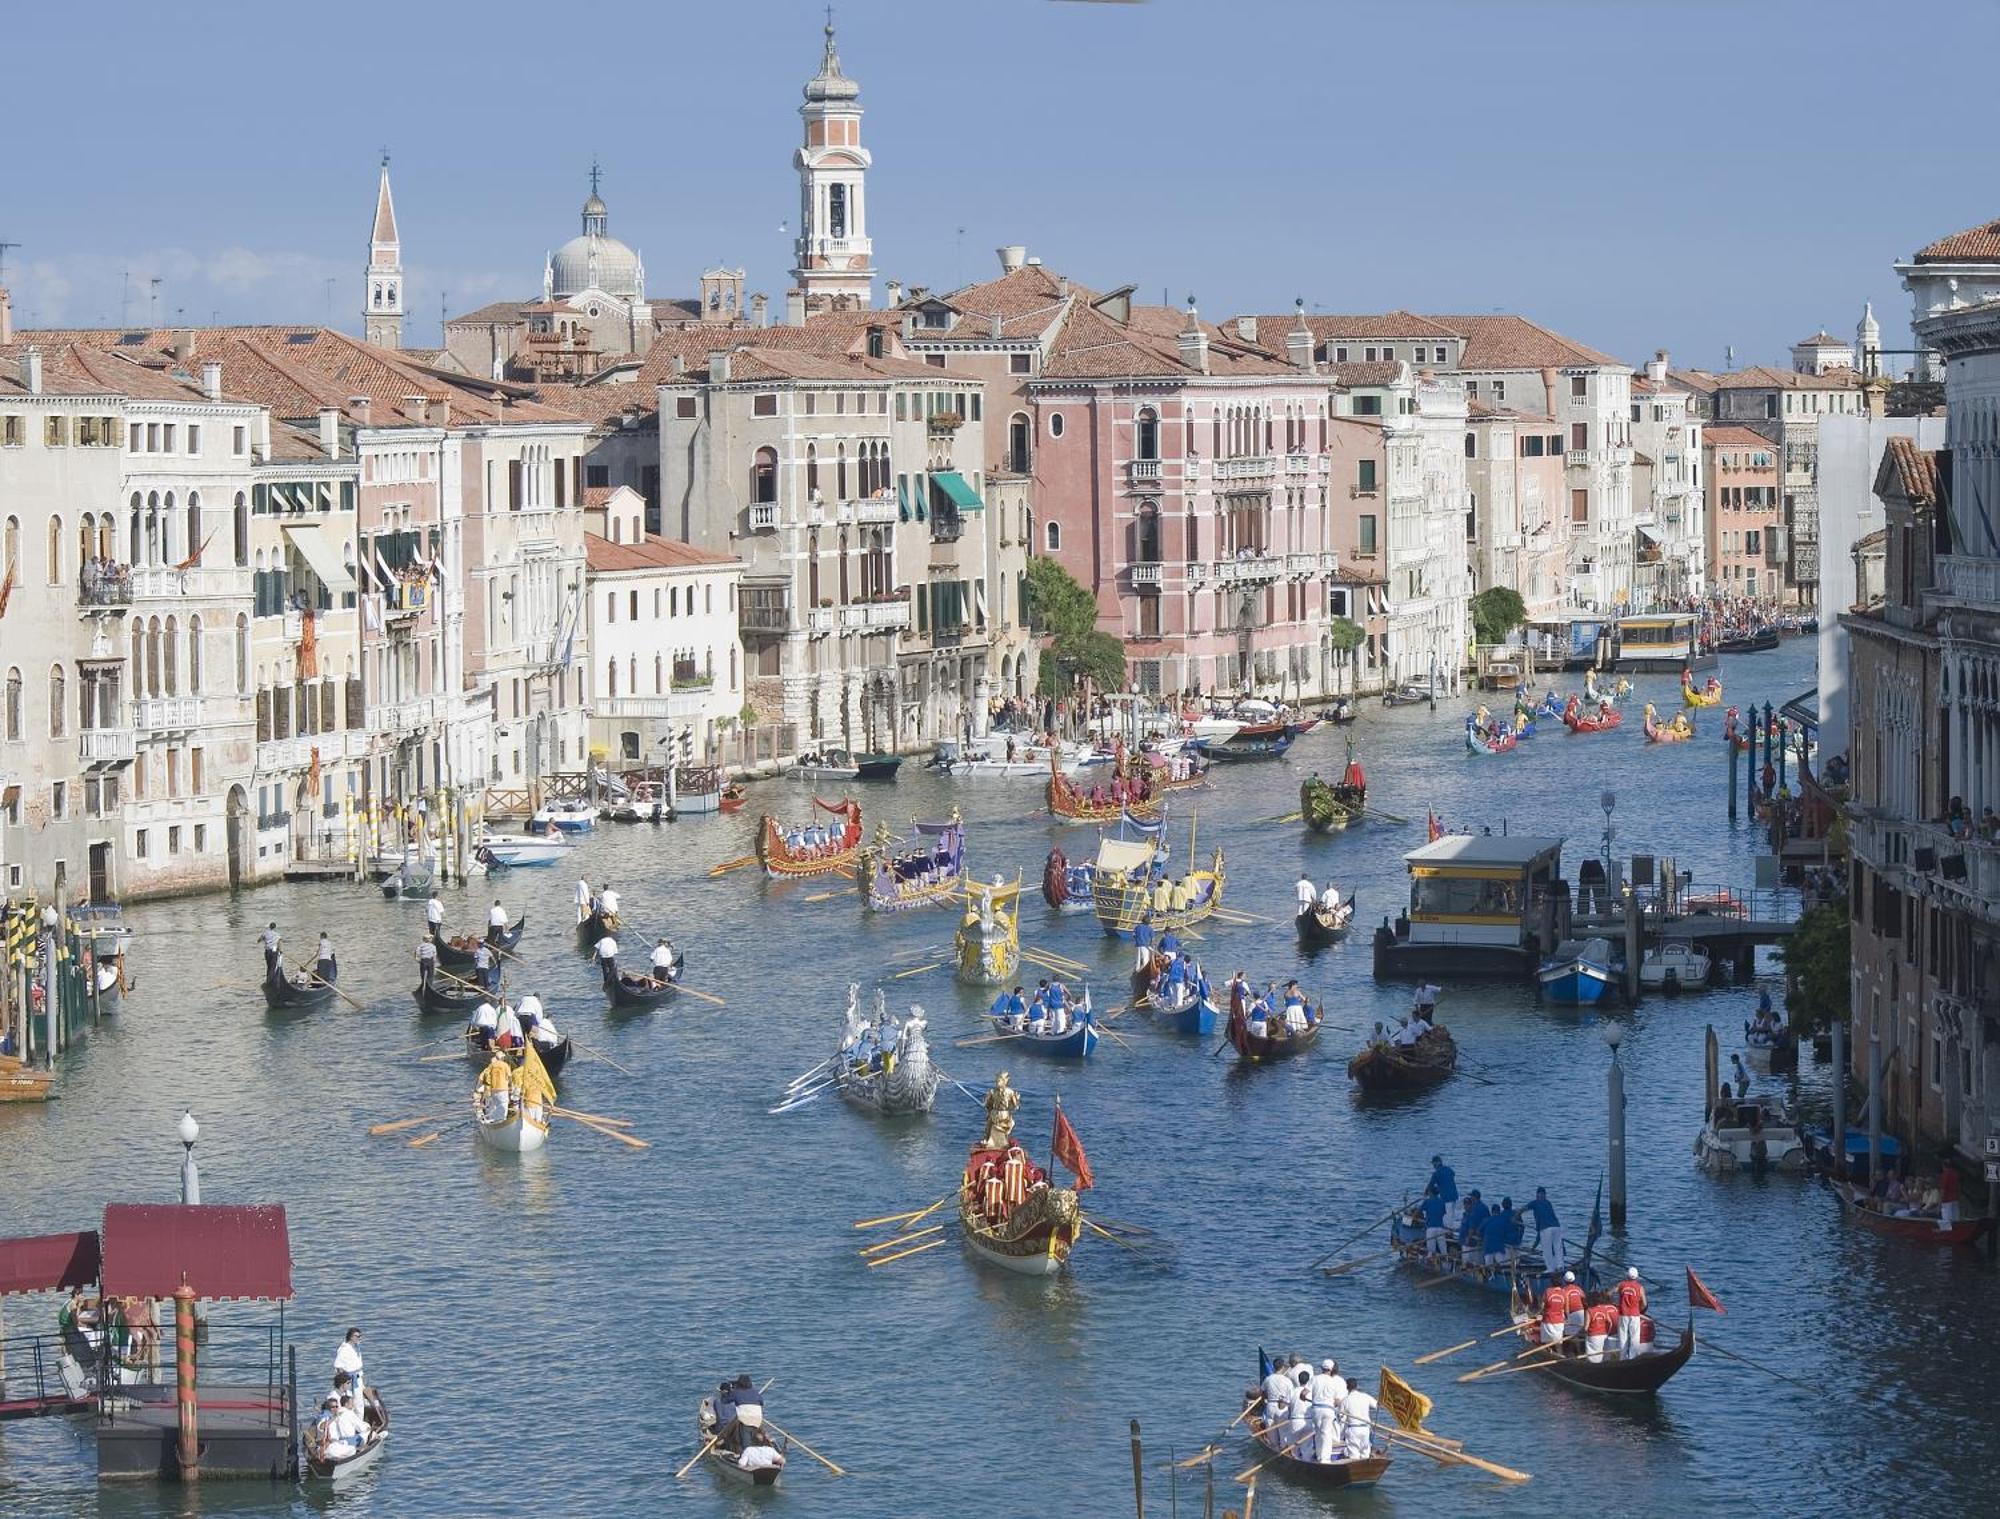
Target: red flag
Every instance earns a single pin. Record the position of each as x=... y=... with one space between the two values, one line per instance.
x=1699 y=1296
x=1069 y=1150
x=1434 y=830
x=195 y=558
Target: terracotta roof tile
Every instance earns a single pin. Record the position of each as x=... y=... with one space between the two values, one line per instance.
x=1514 y=342
x=1764 y=377
x=1725 y=435
x=1366 y=328
x=1916 y=469
x=607 y=558
x=75 y=370
x=1975 y=245
x=1363 y=375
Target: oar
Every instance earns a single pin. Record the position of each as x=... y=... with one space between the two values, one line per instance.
x=434 y=1059
x=700 y=1453
x=1245 y=1476
x=406 y=1123
x=616 y=1123
x=805 y=1078
x=723 y=869
x=827 y=896
x=1511 y=1361
x=1755 y=1366
x=597 y=1054
x=315 y=978
x=913 y=1215
x=1362 y=1235
x=606 y=1130
x=1115 y=1239
x=892 y=1243
x=919 y=1218
x=916 y=970
x=1113 y=1033
x=1449 y=1456
x=984 y=1039
x=1243 y=1413
x=705 y=996
x=1386 y=817
x=1123 y=1227
x=430 y=1044
x=837 y=1471
x=1439 y=1355
x=883 y=1260
x=1367 y=1260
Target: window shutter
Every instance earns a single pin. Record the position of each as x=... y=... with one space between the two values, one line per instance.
x=513 y=485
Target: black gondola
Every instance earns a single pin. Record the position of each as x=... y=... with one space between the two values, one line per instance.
x=443 y=996
x=452 y=957
x=634 y=993
x=285 y=994
x=479 y=1049
x=1641 y=1376
x=595 y=927
x=1315 y=929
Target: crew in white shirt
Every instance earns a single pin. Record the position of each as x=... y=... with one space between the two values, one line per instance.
x=486 y=1019
x=1358 y=1411
x=348 y=1359
x=1330 y=898
x=1308 y=893
x=1278 y=1388
x=434 y=912
x=663 y=961
x=583 y=901
x=510 y=1026
x=607 y=901
x=496 y=915
x=1329 y=1396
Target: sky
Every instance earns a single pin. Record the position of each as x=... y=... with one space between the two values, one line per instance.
x=1698 y=176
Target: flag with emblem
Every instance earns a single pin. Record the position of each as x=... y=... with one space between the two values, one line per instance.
x=1408 y=1406
x=1699 y=1296
x=1433 y=829
x=1068 y=1149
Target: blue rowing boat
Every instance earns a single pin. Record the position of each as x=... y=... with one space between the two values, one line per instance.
x=1188 y=1013
x=1581 y=974
x=1077 y=1042
x=1529 y=1273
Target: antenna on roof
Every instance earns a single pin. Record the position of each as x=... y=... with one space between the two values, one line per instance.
x=3 y=257
x=153 y=302
x=124 y=297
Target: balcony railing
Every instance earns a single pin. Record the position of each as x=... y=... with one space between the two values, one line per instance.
x=167 y=713
x=764 y=616
x=944 y=421
x=1964 y=578
x=1255 y=467
x=821 y=620
x=763 y=516
x=404 y=718
x=1149 y=574
x=1197 y=573
x=1252 y=567
x=1329 y=564
x=193 y=584
x=853 y=618
x=1301 y=464
x=870 y=509
x=105 y=586
x=1966 y=870
x=106 y=746
x=1576 y=458
x=888 y=614
x=1145 y=471
x=1301 y=565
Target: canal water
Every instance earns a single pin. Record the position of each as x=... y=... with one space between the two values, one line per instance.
x=544 y=1326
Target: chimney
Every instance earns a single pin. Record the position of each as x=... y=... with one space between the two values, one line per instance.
x=1194 y=341
x=1247 y=326
x=1299 y=341
x=680 y=364
x=360 y=406
x=329 y=431
x=31 y=370
x=1552 y=385
x=211 y=380
x=895 y=292
x=184 y=344
x=996 y=323
x=442 y=416
x=1656 y=369
x=1062 y=284
x=6 y=316
x=417 y=408
x=795 y=308
x=760 y=310
x=718 y=367
x=1012 y=257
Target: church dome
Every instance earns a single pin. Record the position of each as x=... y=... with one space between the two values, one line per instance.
x=596 y=261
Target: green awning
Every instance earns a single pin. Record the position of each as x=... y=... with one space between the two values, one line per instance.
x=963 y=496
x=903 y=498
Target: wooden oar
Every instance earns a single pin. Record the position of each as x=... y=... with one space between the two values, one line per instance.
x=723 y=869
x=883 y=1260
x=1122 y=1226
x=699 y=1454
x=1439 y=1355
x=827 y=896
x=705 y=996
x=1366 y=1260
x=892 y=1243
x=1245 y=1476
x=606 y=1130
x=597 y=1054
x=1362 y=1235
x=1243 y=1413
x=616 y=1123
x=794 y=1439
x=422 y=1140
x=1116 y=1240
x=406 y=1123
x=916 y=970
x=1386 y=817
x=984 y=1039
x=314 y=977
x=1450 y=1455
x=1123 y=1042
x=919 y=1218
x=1511 y=1361
x=427 y=1045
x=805 y=1077
x=912 y=1215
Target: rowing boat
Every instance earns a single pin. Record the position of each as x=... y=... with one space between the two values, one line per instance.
x=456 y=954
x=1292 y=1455
x=1011 y=1212
x=1918 y=1229
x=724 y=1463
x=1317 y=926
x=1277 y=1042
x=289 y=994
x=926 y=868
x=633 y=993
x=479 y=1050
x=1182 y=1009
x=882 y=1066
x=1527 y=1276
x=440 y=997
x=1634 y=1376
x=786 y=860
x=339 y=1469
x=1067 y=887
x=1070 y=803
x=1387 y=1067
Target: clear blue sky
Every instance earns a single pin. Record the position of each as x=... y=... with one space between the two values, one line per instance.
x=1691 y=175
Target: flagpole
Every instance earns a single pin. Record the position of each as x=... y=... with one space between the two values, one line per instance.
x=1052 y=1140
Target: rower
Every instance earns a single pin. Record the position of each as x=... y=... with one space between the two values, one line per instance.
x=496 y=922
x=1142 y=936
x=1296 y=1021
x=427 y=958
x=1446 y=1182
x=1432 y=1211
x=1329 y=900
x=663 y=961
x=1298 y=1427
x=496 y=1081
x=582 y=900
x=272 y=941
x=434 y=913
x=485 y=1023
x=508 y=1036
x=485 y=966
x=1170 y=943
x=1358 y=1418
x=1496 y=1234
x=543 y=1030
x=325 y=968
x=1426 y=1000
x=1013 y=1010
x=1555 y=1313
x=1573 y=1304
x=607 y=901
x=746 y=1410
x=1308 y=893
x=531 y=1010
x=1742 y=1077
x=1278 y=1390
x=1471 y=1222
x=1630 y=1296
x=1329 y=1395
x=1600 y=1322
x=1548 y=1229
x=348 y=1359
x=1405 y=1035
x=607 y=959
x=1260 y=1019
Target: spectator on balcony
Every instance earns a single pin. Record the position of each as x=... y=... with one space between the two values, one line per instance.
x=1955 y=820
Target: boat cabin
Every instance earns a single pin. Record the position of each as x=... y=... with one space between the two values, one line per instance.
x=1663 y=643
x=1480 y=905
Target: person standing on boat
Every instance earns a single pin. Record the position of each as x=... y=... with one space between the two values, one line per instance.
x=582 y=901
x=1329 y=900
x=1328 y=1392
x=1742 y=1077
x=325 y=967
x=1446 y=1182
x=434 y=913
x=663 y=961
x=348 y=1359
x=508 y=1034
x=273 y=957
x=1573 y=1304
x=1277 y=1392
x=427 y=959
x=1947 y=1192
x=485 y=1024
x=1308 y=893
x=1600 y=1322
x=496 y=922
x=485 y=966
x=1630 y=1297
x=1555 y=1313
x=1358 y=1420
x=607 y=959
x=607 y=903
x=496 y=1083
x=1471 y=1221
x=1548 y=1229
x=1432 y=1211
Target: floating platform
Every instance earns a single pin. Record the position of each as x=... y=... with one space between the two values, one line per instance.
x=246 y=1433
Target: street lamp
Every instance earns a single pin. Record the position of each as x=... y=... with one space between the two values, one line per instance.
x=1614 y=1035
x=1608 y=800
x=189 y=1132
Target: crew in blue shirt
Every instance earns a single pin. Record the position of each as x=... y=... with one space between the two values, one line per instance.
x=1432 y=1211
x=1447 y=1184
x=1548 y=1229
x=1142 y=935
x=1473 y=1221
x=1496 y=1234
x=1170 y=943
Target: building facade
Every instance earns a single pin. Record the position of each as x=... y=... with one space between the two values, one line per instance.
x=1669 y=499
x=1746 y=516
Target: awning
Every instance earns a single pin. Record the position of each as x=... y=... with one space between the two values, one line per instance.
x=48 y=1262
x=1650 y=536
x=903 y=498
x=963 y=496
x=225 y=1250
x=1803 y=708
x=324 y=559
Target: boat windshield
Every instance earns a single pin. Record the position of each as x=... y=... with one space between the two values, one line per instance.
x=1458 y=897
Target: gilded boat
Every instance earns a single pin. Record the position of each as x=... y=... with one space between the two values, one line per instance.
x=923 y=869
x=988 y=942
x=791 y=856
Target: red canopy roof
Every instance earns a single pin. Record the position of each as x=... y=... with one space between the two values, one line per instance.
x=224 y=1250
x=47 y=1262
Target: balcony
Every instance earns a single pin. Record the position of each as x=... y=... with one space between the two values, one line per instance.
x=1144 y=471
x=1255 y=567
x=1304 y=464
x=1152 y=576
x=853 y=618
x=167 y=714
x=106 y=746
x=1576 y=458
x=1298 y=566
x=1329 y=565
x=403 y=719
x=888 y=615
x=763 y=516
x=1964 y=578
x=1964 y=872
x=872 y=509
x=943 y=422
x=104 y=590
x=193 y=584
x=1256 y=467
x=1197 y=573
x=821 y=621
x=764 y=609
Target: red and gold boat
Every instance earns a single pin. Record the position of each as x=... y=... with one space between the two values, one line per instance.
x=816 y=848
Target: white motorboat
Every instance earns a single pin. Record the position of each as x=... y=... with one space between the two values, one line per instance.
x=570 y=817
x=991 y=758
x=1732 y=1138
x=643 y=803
x=524 y=850
x=1674 y=967
x=825 y=765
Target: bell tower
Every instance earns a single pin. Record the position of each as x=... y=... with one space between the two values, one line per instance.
x=382 y=294
x=834 y=266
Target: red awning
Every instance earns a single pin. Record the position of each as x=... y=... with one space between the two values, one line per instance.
x=224 y=1250
x=48 y=1262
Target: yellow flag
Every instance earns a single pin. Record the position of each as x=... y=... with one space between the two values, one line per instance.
x=1409 y=1406
x=536 y=1087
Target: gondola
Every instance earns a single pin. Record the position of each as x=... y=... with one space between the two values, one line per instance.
x=1290 y=1455
x=1011 y=1212
x=595 y=927
x=786 y=862
x=877 y=767
x=1071 y=803
x=479 y=1050
x=338 y=1469
x=1341 y=713
x=1190 y=1013
x=288 y=994
x=1759 y=641
x=1318 y=928
x=1077 y=1042
x=1386 y=1067
x=1251 y=1049
x=634 y=993
x=1604 y=718
x=1641 y=1376
x=1319 y=808
x=443 y=996
x=723 y=1462
x=1252 y=745
x=1918 y=1230
x=925 y=868
x=523 y=1130
x=456 y=954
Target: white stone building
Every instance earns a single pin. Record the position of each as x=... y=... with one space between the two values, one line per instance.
x=1952 y=273
x=1667 y=489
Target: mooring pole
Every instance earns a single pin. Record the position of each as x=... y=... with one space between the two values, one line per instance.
x=1784 y=751
x=1138 y=1476
x=188 y=1451
x=1731 y=747
x=1615 y=1094
x=1712 y=1065
x=1874 y=1102
x=1840 y=1095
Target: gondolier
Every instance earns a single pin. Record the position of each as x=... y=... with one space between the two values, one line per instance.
x=1446 y=1182
x=496 y=922
x=1548 y=1229
x=1329 y=1395
x=325 y=967
x=663 y=960
x=427 y=956
x=1630 y=1296
x=348 y=1359
x=1308 y=893
x=273 y=943
x=607 y=959
x=434 y=912
x=583 y=901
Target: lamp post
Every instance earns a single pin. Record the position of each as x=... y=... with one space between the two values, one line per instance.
x=1614 y=1035
x=189 y=1131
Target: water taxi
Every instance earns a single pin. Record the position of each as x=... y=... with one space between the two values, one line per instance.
x=1480 y=905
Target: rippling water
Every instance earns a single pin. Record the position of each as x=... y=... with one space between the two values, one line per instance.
x=543 y=1325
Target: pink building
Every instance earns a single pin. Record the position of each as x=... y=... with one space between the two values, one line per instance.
x=1745 y=509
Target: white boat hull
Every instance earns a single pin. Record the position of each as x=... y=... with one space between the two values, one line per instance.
x=339 y=1473
x=1041 y=1264
x=519 y=1133
x=526 y=851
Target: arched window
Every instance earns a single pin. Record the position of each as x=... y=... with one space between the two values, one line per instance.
x=1148 y=440
x=611 y=676
x=13 y=712
x=194 y=656
x=1020 y=441
x=840 y=474
x=55 y=550
x=764 y=477
x=152 y=555
x=170 y=657
x=1052 y=532
x=1147 y=535
x=167 y=555
x=194 y=523
x=58 y=699
x=240 y=530
x=812 y=468
x=153 y=657
x=105 y=528
x=10 y=549
x=86 y=540
x=242 y=654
